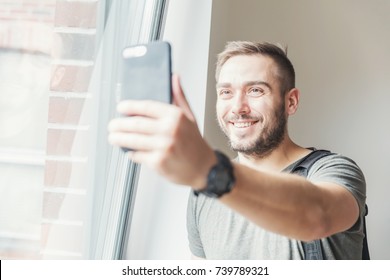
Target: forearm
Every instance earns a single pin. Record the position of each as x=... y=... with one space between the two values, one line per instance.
x=283 y=203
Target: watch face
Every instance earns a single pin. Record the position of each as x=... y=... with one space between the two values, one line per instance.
x=221 y=179
x=220 y=182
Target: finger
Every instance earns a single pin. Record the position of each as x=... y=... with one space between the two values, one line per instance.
x=138 y=142
x=142 y=157
x=146 y=108
x=179 y=98
x=134 y=124
x=150 y=159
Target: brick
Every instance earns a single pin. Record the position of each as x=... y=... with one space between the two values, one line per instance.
x=76 y=14
x=43 y=2
x=67 y=111
x=52 y=203
x=70 y=78
x=75 y=46
x=65 y=207
x=65 y=174
x=67 y=142
x=26 y=35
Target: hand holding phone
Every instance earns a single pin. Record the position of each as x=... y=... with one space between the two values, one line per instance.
x=147 y=72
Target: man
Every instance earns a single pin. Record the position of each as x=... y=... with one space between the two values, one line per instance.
x=252 y=207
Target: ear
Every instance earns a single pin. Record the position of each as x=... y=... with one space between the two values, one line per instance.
x=291 y=101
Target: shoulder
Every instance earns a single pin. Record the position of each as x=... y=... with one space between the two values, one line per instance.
x=342 y=170
x=336 y=164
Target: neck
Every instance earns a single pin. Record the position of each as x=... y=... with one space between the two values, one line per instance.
x=281 y=157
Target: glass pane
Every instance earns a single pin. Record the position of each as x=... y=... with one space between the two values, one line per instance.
x=129 y=23
x=23 y=98
x=64 y=193
x=25 y=48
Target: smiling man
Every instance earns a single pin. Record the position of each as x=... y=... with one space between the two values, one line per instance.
x=251 y=207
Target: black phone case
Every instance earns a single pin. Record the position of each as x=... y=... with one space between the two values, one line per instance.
x=147 y=72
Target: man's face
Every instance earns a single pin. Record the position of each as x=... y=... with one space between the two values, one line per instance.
x=250 y=108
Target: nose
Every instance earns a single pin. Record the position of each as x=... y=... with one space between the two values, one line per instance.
x=241 y=106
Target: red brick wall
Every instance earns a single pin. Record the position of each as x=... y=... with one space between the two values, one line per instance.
x=27 y=24
x=76 y=14
x=65 y=200
x=66 y=30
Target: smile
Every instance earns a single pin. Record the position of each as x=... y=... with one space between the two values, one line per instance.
x=243 y=124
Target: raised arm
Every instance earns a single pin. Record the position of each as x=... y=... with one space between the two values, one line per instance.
x=166 y=138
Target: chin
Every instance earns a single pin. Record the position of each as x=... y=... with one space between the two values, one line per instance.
x=241 y=147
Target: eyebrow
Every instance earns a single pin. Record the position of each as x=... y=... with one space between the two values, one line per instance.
x=246 y=84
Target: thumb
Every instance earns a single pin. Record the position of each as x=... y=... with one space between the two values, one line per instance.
x=179 y=99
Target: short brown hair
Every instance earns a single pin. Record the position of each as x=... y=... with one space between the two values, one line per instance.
x=285 y=73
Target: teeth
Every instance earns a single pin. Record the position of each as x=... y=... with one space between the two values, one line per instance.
x=246 y=124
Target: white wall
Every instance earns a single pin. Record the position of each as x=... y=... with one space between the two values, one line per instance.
x=341 y=53
x=159 y=222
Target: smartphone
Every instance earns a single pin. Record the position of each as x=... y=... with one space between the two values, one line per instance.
x=147 y=72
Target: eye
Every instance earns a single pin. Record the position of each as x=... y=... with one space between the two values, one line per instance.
x=256 y=91
x=224 y=93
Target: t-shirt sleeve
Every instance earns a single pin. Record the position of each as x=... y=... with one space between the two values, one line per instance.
x=194 y=240
x=343 y=171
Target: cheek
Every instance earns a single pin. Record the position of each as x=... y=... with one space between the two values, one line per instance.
x=221 y=109
x=259 y=107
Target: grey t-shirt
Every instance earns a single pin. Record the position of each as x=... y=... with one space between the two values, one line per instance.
x=217 y=232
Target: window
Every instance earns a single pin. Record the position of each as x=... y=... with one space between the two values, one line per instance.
x=24 y=85
x=64 y=193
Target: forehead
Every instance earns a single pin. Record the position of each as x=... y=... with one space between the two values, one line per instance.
x=247 y=67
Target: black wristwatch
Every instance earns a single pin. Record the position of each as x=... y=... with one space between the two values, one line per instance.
x=220 y=179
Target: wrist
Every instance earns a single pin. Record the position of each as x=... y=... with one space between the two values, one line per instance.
x=220 y=178
x=203 y=170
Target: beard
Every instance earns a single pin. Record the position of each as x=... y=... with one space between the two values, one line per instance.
x=268 y=139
